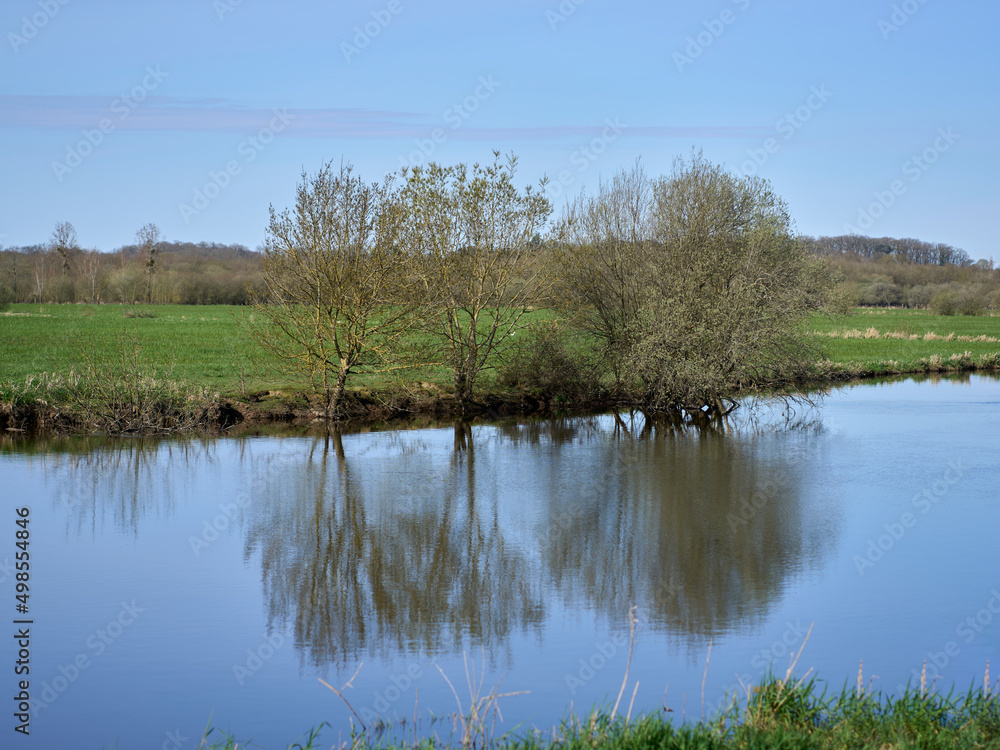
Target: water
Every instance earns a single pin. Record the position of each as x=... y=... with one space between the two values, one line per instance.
x=178 y=582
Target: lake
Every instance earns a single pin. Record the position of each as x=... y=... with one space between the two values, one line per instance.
x=177 y=582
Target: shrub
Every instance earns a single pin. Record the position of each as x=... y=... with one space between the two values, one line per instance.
x=544 y=365
x=842 y=299
x=945 y=302
x=993 y=300
x=882 y=294
x=971 y=302
x=919 y=296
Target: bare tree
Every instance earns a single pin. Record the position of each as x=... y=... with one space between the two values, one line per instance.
x=40 y=276
x=64 y=241
x=331 y=278
x=90 y=268
x=469 y=238
x=148 y=240
x=603 y=245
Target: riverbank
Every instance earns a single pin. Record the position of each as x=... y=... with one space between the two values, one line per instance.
x=780 y=713
x=172 y=368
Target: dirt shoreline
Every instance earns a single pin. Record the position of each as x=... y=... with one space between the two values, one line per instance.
x=299 y=411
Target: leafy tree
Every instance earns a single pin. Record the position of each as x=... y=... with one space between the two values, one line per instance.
x=469 y=237
x=331 y=280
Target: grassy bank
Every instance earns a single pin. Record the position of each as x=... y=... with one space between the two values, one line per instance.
x=780 y=713
x=887 y=341
x=202 y=355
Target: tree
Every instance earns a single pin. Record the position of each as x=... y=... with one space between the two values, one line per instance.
x=64 y=241
x=470 y=243
x=148 y=239
x=706 y=288
x=40 y=276
x=331 y=279
x=601 y=238
x=90 y=268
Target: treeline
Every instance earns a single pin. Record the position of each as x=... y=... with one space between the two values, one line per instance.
x=889 y=272
x=877 y=248
x=184 y=273
x=868 y=271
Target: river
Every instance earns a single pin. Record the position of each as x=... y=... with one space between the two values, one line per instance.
x=177 y=582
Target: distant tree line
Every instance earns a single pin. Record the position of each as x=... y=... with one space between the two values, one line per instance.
x=889 y=272
x=877 y=248
x=150 y=270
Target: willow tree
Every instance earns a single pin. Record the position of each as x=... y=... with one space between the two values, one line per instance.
x=731 y=289
x=602 y=242
x=469 y=238
x=330 y=280
x=703 y=287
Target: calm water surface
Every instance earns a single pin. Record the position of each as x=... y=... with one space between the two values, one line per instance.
x=174 y=581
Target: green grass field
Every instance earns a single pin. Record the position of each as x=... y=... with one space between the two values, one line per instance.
x=903 y=336
x=208 y=346
x=200 y=344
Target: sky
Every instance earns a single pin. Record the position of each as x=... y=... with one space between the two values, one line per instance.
x=874 y=117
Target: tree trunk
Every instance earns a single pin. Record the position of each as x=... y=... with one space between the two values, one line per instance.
x=334 y=397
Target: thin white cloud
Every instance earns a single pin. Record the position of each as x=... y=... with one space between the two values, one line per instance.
x=160 y=113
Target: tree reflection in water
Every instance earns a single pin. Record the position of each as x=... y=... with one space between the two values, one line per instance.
x=426 y=543
x=701 y=529
x=402 y=555
x=122 y=481
x=421 y=552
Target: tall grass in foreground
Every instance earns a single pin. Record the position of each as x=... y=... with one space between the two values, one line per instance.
x=777 y=713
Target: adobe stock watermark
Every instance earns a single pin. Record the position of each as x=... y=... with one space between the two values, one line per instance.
x=793 y=635
x=714 y=28
x=787 y=644
x=586 y=155
x=225 y=7
x=6 y=570
x=173 y=740
x=96 y=643
x=30 y=26
x=915 y=168
x=120 y=110
x=257 y=658
x=753 y=503
x=921 y=502
x=211 y=528
x=966 y=632
x=455 y=117
x=218 y=180
x=787 y=126
x=563 y=11
x=384 y=699
x=598 y=660
x=900 y=16
x=364 y=34
x=73 y=490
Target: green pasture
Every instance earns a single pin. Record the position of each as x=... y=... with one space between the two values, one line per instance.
x=872 y=353
x=209 y=346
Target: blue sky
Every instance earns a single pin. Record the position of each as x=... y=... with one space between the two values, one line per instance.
x=877 y=116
